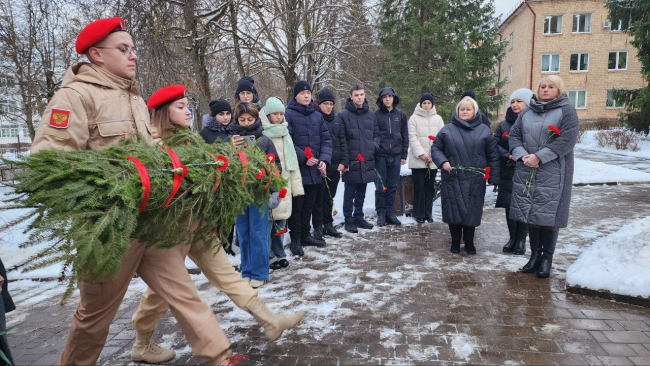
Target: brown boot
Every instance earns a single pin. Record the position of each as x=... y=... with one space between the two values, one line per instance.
x=273 y=324
x=144 y=350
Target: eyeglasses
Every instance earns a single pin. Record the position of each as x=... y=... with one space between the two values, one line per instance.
x=124 y=49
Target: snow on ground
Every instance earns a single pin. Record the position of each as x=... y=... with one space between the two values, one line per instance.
x=589 y=142
x=617 y=263
x=594 y=172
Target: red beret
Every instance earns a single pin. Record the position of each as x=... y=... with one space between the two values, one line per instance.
x=166 y=95
x=96 y=31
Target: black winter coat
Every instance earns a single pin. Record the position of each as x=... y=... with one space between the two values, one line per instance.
x=465 y=144
x=362 y=137
x=308 y=128
x=507 y=166
x=339 y=144
x=6 y=298
x=393 y=128
x=214 y=131
x=264 y=143
x=484 y=120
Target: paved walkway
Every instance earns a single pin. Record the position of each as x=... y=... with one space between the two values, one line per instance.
x=396 y=296
x=630 y=162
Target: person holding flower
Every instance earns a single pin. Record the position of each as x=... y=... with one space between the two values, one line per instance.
x=466 y=150
x=542 y=142
x=423 y=126
x=518 y=231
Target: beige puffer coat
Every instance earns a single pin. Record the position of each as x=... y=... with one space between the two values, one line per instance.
x=294 y=187
x=422 y=124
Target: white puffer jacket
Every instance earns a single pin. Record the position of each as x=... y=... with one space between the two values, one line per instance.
x=294 y=187
x=422 y=124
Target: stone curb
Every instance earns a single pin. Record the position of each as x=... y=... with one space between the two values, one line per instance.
x=634 y=300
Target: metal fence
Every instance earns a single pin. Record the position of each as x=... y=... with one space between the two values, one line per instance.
x=15 y=145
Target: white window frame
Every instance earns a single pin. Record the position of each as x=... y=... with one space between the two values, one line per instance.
x=573 y=19
x=607 y=97
x=510 y=73
x=549 y=33
x=579 y=59
x=618 y=52
x=576 y=98
x=512 y=40
x=550 y=63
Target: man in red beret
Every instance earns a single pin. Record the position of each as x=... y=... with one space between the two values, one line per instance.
x=99 y=105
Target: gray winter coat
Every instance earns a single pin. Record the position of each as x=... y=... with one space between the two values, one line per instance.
x=550 y=194
x=465 y=144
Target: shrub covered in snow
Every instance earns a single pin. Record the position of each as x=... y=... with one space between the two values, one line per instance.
x=619 y=139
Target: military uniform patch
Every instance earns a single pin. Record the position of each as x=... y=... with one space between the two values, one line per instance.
x=59 y=118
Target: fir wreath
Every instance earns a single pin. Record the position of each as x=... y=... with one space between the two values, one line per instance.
x=88 y=202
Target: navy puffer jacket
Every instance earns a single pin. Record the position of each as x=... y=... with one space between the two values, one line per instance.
x=362 y=137
x=393 y=127
x=308 y=128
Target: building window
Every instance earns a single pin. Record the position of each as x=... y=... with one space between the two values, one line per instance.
x=551 y=62
x=618 y=25
x=579 y=62
x=617 y=60
x=512 y=40
x=578 y=98
x=8 y=106
x=6 y=81
x=611 y=102
x=581 y=23
x=510 y=73
x=25 y=131
x=553 y=24
x=8 y=132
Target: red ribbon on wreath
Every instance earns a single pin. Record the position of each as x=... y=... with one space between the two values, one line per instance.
x=244 y=163
x=179 y=174
x=146 y=183
x=220 y=168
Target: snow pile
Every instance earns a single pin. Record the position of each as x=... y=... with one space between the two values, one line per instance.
x=463 y=345
x=617 y=263
x=593 y=172
x=589 y=142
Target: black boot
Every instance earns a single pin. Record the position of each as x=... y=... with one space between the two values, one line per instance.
x=363 y=224
x=350 y=227
x=306 y=240
x=469 y=247
x=548 y=240
x=393 y=220
x=329 y=230
x=535 y=250
x=520 y=242
x=318 y=233
x=295 y=247
x=455 y=247
x=381 y=220
x=512 y=229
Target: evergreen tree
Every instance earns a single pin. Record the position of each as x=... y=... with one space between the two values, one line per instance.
x=443 y=47
x=634 y=16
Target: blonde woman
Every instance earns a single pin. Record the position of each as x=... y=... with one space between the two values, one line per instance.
x=423 y=127
x=543 y=202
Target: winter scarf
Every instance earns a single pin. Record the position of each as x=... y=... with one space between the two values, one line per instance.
x=281 y=130
x=212 y=124
x=254 y=129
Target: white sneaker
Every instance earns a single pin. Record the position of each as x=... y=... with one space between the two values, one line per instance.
x=256 y=283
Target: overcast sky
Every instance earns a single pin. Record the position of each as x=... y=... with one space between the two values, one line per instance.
x=502 y=7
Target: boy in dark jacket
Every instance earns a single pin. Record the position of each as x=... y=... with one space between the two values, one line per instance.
x=215 y=124
x=322 y=218
x=393 y=147
x=362 y=137
x=313 y=145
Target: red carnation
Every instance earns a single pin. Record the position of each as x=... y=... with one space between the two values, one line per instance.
x=278 y=233
x=361 y=158
x=487 y=169
x=260 y=173
x=385 y=189
x=283 y=193
x=486 y=177
x=224 y=162
x=554 y=129
x=505 y=134
x=310 y=155
x=432 y=138
x=270 y=157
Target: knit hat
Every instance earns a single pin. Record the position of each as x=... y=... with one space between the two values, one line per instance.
x=427 y=96
x=245 y=84
x=523 y=94
x=326 y=95
x=273 y=105
x=300 y=86
x=219 y=105
x=468 y=93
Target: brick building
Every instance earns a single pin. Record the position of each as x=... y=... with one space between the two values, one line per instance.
x=575 y=40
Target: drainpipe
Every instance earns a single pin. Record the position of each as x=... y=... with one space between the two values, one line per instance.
x=532 y=52
x=499 y=75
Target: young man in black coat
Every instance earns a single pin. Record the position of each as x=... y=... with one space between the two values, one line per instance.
x=322 y=218
x=393 y=147
x=362 y=137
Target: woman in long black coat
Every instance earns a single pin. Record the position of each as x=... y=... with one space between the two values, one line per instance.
x=465 y=148
x=518 y=230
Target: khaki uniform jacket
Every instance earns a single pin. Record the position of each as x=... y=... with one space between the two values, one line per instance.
x=421 y=125
x=294 y=186
x=103 y=110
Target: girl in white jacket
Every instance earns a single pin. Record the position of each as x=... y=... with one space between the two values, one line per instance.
x=423 y=127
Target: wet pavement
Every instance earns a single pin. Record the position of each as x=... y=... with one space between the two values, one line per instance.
x=612 y=157
x=397 y=296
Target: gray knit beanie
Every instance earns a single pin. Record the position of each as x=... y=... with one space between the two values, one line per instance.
x=523 y=94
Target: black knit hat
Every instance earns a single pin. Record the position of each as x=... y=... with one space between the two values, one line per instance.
x=300 y=86
x=326 y=95
x=427 y=96
x=468 y=93
x=219 y=105
x=245 y=84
